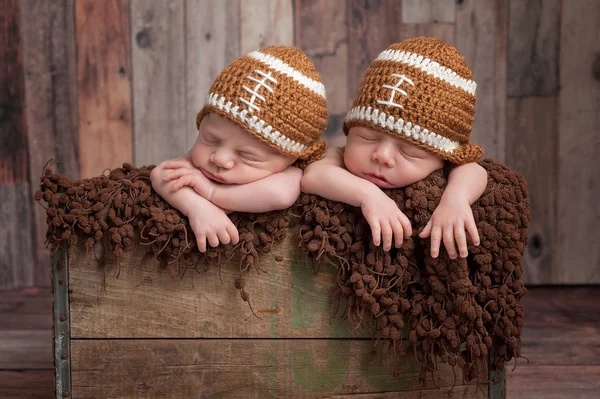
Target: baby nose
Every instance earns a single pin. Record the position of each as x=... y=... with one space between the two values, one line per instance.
x=383 y=155
x=222 y=159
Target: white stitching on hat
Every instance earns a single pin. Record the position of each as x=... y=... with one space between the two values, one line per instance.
x=282 y=67
x=428 y=66
x=394 y=89
x=254 y=92
x=258 y=125
x=401 y=127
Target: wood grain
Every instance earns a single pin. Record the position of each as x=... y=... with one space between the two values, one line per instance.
x=321 y=32
x=372 y=27
x=13 y=137
x=442 y=31
x=158 y=84
x=48 y=33
x=26 y=309
x=481 y=37
x=30 y=384
x=533 y=49
x=427 y=11
x=212 y=38
x=578 y=145
x=16 y=249
x=554 y=382
x=145 y=302
x=26 y=349
x=242 y=369
x=562 y=326
x=531 y=150
x=104 y=85
x=265 y=23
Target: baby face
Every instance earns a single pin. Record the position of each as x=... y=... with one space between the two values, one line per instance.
x=227 y=154
x=387 y=161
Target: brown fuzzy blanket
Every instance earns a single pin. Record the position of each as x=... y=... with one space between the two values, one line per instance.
x=451 y=310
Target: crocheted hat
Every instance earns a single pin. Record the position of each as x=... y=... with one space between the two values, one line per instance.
x=276 y=95
x=420 y=90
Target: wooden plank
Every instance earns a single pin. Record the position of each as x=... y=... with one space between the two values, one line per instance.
x=579 y=123
x=13 y=142
x=444 y=32
x=158 y=85
x=265 y=23
x=31 y=384
x=481 y=37
x=554 y=382
x=26 y=309
x=26 y=349
x=462 y=391
x=372 y=27
x=241 y=368
x=531 y=150
x=104 y=86
x=48 y=34
x=212 y=32
x=16 y=249
x=145 y=302
x=565 y=344
x=561 y=326
x=426 y=11
x=321 y=32
x=533 y=46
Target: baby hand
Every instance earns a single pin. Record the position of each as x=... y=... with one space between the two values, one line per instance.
x=385 y=220
x=211 y=224
x=449 y=221
x=184 y=173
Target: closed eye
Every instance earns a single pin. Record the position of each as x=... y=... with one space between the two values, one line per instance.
x=248 y=156
x=211 y=140
x=412 y=154
x=366 y=138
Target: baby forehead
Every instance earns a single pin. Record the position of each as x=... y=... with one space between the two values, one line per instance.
x=384 y=135
x=232 y=134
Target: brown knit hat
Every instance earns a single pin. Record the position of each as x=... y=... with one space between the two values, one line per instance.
x=420 y=90
x=275 y=94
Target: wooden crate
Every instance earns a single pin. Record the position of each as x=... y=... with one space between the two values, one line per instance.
x=147 y=334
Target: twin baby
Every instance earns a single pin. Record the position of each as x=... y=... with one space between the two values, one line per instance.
x=260 y=144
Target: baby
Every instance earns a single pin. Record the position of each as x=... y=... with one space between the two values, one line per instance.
x=260 y=125
x=413 y=112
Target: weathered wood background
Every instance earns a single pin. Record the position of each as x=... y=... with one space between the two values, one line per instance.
x=93 y=84
x=97 y=83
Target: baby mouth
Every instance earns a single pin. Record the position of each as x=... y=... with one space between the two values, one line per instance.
x=213 y=177
x=377 y=179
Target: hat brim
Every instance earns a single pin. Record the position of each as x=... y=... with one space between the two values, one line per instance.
x=465 y=153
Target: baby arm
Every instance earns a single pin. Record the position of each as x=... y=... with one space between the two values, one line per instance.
x=274 y=192
x=330 y=179
x=208 y=222
x=453 y=215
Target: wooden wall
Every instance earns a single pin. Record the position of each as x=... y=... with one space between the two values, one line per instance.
x=93 y=84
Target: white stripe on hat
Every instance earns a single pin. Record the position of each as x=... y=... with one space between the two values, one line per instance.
x=282 y=67
x=254 y=123
x=399 y=126
x=430 y=67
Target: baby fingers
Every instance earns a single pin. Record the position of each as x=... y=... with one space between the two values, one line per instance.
x=386 y=234
x=175 y=164
x=448 y=235
x=472 y=229
x=176 y=174
x=461 y=238
x=182 y=181
x=436 y=240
